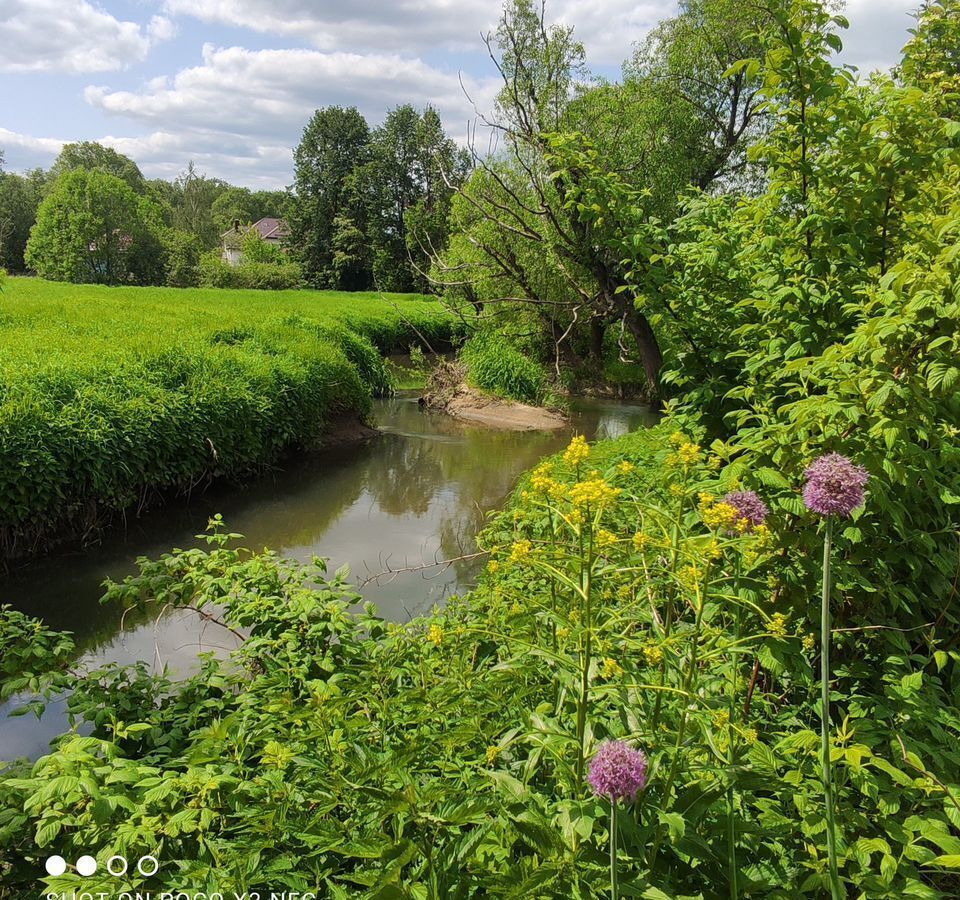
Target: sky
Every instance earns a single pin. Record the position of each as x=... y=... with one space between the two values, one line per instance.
x=230 y=84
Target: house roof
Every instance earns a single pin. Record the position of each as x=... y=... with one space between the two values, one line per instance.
x=270 y=229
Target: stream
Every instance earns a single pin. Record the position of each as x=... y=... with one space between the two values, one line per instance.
x=417 y=493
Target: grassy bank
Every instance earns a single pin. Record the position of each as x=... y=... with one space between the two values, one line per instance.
x=110 y=394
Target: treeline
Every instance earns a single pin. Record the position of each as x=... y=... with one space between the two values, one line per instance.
x=368 y=208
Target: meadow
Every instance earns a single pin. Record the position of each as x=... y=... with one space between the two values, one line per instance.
x=109 y=395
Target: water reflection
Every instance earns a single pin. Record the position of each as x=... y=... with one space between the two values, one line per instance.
x=418 y=492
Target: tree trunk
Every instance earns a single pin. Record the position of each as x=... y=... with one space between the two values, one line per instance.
x=647 y=344
x=597 y=331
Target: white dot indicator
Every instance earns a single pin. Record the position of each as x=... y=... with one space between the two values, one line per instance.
x=86 y=866
x=55 y=865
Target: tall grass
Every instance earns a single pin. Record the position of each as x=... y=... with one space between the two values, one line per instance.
x=108 y=394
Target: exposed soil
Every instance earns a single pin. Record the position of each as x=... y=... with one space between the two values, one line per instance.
x=448 y=393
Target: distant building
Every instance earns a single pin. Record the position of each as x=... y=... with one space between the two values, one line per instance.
x=273 y=231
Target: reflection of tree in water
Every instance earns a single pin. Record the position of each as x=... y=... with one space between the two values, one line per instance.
x=407 y=473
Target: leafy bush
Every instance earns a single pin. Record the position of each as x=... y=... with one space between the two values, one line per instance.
x=249 y=275
x=494 y=365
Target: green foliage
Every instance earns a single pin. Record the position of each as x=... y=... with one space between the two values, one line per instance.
x=495 y=366
x=445 y=757
x=271 y=272
x=102 y=402
x=92 y=227
x=93 y=157
x=182 y=254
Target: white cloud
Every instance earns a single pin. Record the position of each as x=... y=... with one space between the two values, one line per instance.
x=877 y=33
x=415 y=26
x=72 y=36
x=44 y=147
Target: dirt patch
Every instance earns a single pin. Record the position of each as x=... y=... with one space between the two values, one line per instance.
x=345 y=430
x=448 y=393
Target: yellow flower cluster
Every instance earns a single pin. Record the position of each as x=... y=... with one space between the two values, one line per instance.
x=713 y=550
x=541 y=480
x=563 y=633
x=809 y=642
x=611 y=668
x=493 y=566
x=605 y=538
x=653 y=653
x=721 y=718
x=624 y=593
x=435 y=635
x=719 y=516
x=626 y=467
x=577 y=452
x=690 y=575
x=520 y=551
x=640 y=540
x=593 y=492
x=492 y=754
x=778 y=625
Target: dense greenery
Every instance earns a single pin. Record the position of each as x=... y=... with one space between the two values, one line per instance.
x=808 y=302
x=370 y=206
x=102 y=402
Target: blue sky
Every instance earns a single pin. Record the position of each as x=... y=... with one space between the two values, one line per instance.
x=231 y=83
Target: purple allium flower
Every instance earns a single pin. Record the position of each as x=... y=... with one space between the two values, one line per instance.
x=749 y=506
x=617 y=771
x=834 y=486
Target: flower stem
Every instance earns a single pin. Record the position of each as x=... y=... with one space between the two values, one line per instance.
x=614 y=889
x=836 y=890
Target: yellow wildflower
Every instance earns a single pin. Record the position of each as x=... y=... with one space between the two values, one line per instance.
x=493 y=754
x=605 y=538
x=677 y=438
x=690 y=575
x=577 y=452
x=624 y=592
x=653 y=653
x=750 y=735
x=689 y=453
x=626 y=467
x=809 y=642
x=676 y=490
x=719 y=516
x=713 y=549
x=542 y=478
x=714 y=463
x=778 y=625
x=720 y=718
x=493 y=566
x=435 y=634
x=516 y=608
x=593 y=492
x=563 y=633
x=611 y=668
x=520 y=551
x=705 y=500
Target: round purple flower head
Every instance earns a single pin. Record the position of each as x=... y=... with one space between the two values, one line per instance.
x=749 y=506
x=617 y=771
x=834 y=486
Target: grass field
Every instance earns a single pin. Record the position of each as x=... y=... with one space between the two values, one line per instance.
x=108 y=394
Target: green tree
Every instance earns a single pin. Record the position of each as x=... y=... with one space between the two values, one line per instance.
x=413 y=171
x=92 y=227
x=240 y=203
x=182 y=258
x=193 y=197
x=92 y=156
x=544 y=240
x=19 y=198
x=334 y=143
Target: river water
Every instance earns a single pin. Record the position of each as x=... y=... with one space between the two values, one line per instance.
x=415 y=494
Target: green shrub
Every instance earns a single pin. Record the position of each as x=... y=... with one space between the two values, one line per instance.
x=249 y=275
x=493 y=365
